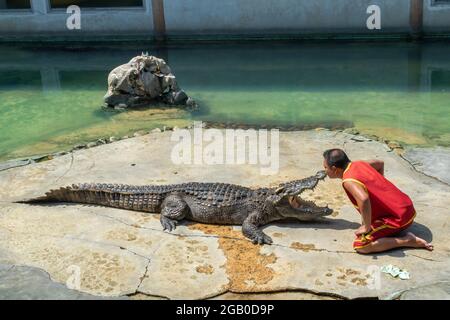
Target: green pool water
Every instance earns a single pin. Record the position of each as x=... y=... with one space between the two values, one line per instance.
x=50 y=99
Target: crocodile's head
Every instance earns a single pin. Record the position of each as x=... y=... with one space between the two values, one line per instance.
x=307 y=210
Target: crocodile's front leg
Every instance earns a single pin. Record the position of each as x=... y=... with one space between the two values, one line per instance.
x=250 y=229
x=173 y=209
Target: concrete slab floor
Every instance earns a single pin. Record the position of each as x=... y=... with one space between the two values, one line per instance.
x=123 y=253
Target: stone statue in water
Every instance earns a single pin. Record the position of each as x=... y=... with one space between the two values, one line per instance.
x=145 y=80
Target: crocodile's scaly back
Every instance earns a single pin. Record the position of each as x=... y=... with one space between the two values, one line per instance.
x=216 y=194
x=145 y=198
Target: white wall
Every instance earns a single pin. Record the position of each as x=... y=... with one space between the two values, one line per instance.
x=43 y=21
x=252 y=16
x=226 y=17
x=436 y=18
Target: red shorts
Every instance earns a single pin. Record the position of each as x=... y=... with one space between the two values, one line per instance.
x=379 y=230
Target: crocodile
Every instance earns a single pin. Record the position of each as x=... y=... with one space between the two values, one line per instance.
x=210 y=203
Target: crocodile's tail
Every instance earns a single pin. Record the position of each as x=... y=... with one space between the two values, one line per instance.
x=117 y=196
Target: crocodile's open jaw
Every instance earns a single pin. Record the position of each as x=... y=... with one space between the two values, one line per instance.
x=301 y=209
x=309 y=207
x=296 y=187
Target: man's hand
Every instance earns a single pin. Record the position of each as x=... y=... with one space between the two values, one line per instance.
x=363 y=230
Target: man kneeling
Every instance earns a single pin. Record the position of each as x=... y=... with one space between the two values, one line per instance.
x=385 y=210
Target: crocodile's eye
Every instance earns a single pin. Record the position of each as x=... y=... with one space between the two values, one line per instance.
x=279 y=190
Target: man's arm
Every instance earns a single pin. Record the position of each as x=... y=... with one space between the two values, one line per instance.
x=377 y=165
x=363 y=201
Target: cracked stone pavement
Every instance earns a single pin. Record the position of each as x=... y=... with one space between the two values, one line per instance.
x=123 y=253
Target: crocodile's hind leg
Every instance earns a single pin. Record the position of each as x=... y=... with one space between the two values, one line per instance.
x=250 y=229
x=173 y=209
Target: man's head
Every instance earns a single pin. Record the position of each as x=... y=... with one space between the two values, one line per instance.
x=335 y=161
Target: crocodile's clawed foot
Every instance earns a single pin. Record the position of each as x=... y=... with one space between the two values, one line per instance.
x=261 y=239
x=168 y=224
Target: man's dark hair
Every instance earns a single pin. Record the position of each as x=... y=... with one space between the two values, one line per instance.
x=337 y=158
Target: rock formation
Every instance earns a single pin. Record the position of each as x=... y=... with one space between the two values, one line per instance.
x=145 y=80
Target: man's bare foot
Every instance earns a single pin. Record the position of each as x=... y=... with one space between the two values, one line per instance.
x=417 y=242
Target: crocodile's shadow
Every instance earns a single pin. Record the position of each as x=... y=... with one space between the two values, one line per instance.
x=322 y=223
